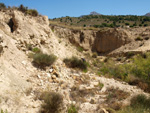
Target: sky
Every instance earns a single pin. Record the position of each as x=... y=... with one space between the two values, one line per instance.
x=76 y=8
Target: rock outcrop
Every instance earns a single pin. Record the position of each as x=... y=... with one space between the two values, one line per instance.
x=103 y=41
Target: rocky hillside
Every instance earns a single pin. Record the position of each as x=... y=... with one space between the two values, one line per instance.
x=102 y=21
x=22 y=83
x=109 y=41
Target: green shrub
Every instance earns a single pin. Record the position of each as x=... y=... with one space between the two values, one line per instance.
x=43 y=60
x=127 y=24
x=135 y=73
x=53 y=102
x=32 y=12
x=138 y=39
x=116 y=71
x=140 y=100
x=74 y=62
x=72 y=109
x=141 y=67
x=95 y=55
x=101 y=85
x=36 y=50
x=139 y=104
x=2 y=111
x=80 y=49
x=133 y=110
x=114 y=96
x=84 y=25
x=145 y=25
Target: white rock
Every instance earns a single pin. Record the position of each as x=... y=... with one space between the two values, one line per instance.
x=39 y=76
x=1 y=36
x=48 y=74
x=95 y=83
x=51 y=70
x=74 y=102
x=24 y=62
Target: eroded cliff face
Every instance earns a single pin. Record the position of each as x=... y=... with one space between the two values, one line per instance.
x=109 y=40
x=103 y=41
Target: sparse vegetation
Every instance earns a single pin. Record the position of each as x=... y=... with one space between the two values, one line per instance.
x=42 y=60
x=32 y=12
x=139 y=104
x=72 y=109
x=75 y=62
x=79 y=95
x=137 y=72
x=22 y=8
x=141 y=67
x=141 y=100
x=114 y=96
x=116 y=71
x=52 y=102
x=2 y=111
x=101 y=21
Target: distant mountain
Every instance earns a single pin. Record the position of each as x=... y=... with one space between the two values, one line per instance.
x=92 y=13
x=147 y=14
x=95 y=13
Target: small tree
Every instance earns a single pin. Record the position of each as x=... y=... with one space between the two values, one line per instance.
x=2 y=6
x=22 y=8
